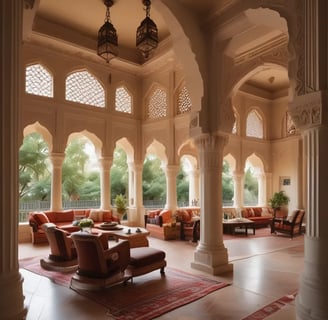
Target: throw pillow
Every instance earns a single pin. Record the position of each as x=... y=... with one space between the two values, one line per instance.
x=96 y=215
x=40 y=218
x=291 y=217
x=250 y=212
x=65 y=216
x=265 y=212
x=257 y=212
x=153 y=213
x=107 y=216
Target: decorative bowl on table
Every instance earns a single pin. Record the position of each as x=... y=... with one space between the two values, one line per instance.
x=109 y=226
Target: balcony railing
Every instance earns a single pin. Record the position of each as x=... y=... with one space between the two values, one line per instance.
x=37 y=205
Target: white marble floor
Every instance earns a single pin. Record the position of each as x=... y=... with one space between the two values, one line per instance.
x=265 y=269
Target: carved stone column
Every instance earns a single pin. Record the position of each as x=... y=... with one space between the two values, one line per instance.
x=11 y=292
x=268 y=186
x=136 y=208
x=105 y=197
x=211 y=256
x=132 y=185
x=193 y=186
x=139 y=193
x=308 y=116
x=261 y=178
x=238 y=189
x=57 y=160
x=171 y=172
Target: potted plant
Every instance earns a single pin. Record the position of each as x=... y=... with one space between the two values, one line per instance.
x=86 y=224
x=120 y=204
x=278 y=200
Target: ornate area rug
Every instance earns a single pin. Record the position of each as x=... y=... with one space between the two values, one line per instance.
x=147 y=297
x=272 y=307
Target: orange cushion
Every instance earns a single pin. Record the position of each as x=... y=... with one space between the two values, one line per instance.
x=40 y=218
x=166 y=216
x=250 y=212
x=257 y=212
x=153 y=213
x=67 y=215
x=107 y=215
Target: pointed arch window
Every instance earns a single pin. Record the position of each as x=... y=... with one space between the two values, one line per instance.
x=123 y=100
x=83 y=87
x=38 y=81
x=157 y=105
x=184 y=101
x=254 y=125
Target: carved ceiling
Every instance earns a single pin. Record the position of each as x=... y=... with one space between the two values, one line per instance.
x=76 y=23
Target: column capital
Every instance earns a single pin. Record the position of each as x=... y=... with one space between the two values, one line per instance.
x=306 y=110
x=211 y=141
x=106 y=162
x=57 y=159
x=172 y=168
x=238 y=174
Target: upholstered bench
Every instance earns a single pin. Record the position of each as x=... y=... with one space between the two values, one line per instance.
x=144 y=260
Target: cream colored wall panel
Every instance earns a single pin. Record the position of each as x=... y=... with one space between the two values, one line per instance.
x=285 y=163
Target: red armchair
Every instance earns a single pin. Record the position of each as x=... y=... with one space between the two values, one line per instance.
x=98 y=265
x=62 y=251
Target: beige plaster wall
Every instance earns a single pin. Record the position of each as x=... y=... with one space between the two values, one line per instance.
x=287 y=164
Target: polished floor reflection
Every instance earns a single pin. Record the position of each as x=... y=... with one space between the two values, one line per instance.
x=265 y=269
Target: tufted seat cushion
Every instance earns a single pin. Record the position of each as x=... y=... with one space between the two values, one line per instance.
x=144 y=256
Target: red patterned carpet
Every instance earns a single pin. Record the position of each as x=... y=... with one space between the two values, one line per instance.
x=271 y=308
x=148 y=297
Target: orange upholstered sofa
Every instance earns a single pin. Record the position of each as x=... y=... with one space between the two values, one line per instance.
x=64 y=220
x=262 y=216
x=161 y=224
x=166 y=225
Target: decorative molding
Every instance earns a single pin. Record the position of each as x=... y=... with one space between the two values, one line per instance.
x=306 y=110
x=279 y=51
x=277 y=56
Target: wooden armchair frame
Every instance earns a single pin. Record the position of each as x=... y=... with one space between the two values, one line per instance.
x=288 y=225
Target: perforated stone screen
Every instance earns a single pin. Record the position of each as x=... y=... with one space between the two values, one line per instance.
x=123 y=100
x=38 y=81
x=84 y=88
x=254 y=125
x=157 y=106
x=184 y=101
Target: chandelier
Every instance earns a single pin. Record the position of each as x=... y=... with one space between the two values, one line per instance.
x=107 y=37
x=146 y=36
x=147 y=33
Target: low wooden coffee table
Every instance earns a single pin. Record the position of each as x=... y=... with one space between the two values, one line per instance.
x=136 y=236
x=230 y=225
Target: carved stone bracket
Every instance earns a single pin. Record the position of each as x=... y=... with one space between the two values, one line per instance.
x=306 y=110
